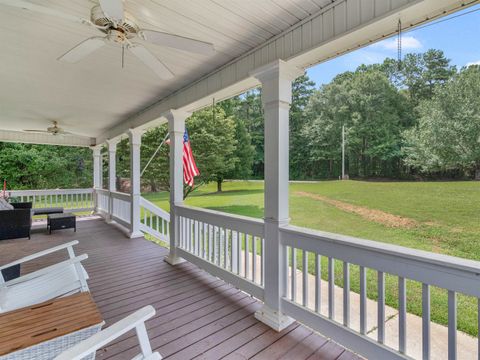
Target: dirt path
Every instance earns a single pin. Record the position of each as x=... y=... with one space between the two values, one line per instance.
x=377 y=216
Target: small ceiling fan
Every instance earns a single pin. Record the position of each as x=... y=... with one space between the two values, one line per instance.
x=119 y=27
x=54 y=130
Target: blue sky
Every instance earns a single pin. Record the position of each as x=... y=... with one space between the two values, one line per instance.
x=458 y=37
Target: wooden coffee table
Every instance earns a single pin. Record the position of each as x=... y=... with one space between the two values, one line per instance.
x=45 y=330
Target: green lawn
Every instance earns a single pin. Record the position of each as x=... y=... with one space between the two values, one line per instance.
x=446 y=213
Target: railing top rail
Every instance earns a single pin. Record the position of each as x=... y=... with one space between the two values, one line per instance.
x=444 y=271
x=193 y=209
x=235 y=222
x=154 y=209
x=50 y=191
x=390 y=249
x=120 y=195
x=102 y=191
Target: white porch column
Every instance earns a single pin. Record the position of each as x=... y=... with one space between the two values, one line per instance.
x=97 y=170
x=135 y=137
x=276 y=79
x=112 y=173
x=176 y=129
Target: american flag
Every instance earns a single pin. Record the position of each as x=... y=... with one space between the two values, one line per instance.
x=190 y=169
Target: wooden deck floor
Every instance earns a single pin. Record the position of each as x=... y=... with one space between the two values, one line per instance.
x=198 y=316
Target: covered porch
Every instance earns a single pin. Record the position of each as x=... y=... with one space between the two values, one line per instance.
x=230 y=286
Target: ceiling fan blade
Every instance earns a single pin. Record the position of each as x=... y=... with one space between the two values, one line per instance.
x=68 y=133
x=35 y=131
x=82 y=50
x=178 y=42
x=113 y=9
x=26 y=5
x=151 y=61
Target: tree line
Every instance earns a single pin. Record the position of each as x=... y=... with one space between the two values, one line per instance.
x=414 y=119
x=29 y=166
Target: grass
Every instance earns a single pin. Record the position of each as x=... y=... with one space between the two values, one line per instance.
x=445 y=214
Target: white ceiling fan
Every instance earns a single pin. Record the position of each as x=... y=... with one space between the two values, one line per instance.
x=118 y=26
x=54 y=130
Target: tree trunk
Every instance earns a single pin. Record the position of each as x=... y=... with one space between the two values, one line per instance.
x=219 y=185
x=477 y=172
x=153 y=185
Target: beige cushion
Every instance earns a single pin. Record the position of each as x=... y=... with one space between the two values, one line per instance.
x=4 y=205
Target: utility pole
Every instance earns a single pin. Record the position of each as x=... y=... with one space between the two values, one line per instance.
x=344 y=176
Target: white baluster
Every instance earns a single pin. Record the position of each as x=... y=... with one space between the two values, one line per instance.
x=346 y=294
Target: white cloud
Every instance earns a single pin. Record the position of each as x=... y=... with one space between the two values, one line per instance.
x=365 y=56
x=408 y=43
x=473 y=63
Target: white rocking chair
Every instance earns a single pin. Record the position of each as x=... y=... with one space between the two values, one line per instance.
x=61 y=279
x=134 y=321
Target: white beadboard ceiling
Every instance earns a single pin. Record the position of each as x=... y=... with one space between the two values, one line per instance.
x=95 y=94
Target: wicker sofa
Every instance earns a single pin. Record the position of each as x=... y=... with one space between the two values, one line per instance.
x=17 y=222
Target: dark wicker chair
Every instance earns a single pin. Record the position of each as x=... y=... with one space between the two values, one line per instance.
x=22 y=205
x=16 y=223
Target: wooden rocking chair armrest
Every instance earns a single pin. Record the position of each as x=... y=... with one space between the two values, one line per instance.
x=40 y=254
x=102 y=338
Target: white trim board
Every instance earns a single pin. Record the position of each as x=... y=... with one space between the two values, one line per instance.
x=48 y=139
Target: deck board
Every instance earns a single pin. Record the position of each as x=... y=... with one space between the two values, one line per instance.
x=198 y=316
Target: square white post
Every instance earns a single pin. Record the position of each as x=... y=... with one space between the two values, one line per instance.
x=97 y=170
x=135 y=137
x=176 y=128
x=112 y=174
x=276 y=79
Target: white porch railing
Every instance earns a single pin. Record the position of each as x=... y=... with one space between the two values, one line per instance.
x=452 y=274
x=154 y=220
x=102 y=201
x=120 y=208
x=231 y=248
x=227 y=246
x=72 y=200
x=114 y=206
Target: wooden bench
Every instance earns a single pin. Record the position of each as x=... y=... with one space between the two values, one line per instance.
x=47 y=211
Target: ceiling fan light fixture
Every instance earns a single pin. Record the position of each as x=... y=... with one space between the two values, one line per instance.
x=117 y=36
